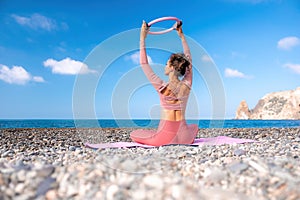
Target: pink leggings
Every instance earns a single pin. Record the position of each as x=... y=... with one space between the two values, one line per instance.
x=168 y=132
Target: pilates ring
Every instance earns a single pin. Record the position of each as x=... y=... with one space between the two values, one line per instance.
x=178 y=23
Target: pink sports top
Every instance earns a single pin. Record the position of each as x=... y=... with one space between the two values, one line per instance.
x=167 y=102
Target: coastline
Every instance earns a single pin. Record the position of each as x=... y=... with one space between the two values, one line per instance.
x=52 y=163
x=137 y=123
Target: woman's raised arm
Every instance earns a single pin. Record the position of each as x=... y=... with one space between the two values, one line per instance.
x=152 y=77
x=188 y=77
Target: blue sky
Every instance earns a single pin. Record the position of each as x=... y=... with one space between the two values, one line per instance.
x=254 y=45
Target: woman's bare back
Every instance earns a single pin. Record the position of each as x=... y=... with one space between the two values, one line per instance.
x=182 y=90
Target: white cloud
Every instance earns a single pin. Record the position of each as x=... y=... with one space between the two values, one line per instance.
x=135 y=58
x=17 y=75
x=233 y=73
x=288 y=43
x=206 y=58
x=235 y=54
x=38 y=79
x=67 y=66
x=36 y=21
x=293 y=67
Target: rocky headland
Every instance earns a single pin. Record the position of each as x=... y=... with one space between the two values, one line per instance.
x=276 y=105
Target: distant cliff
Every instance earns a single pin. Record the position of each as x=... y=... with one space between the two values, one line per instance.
x=276 y=105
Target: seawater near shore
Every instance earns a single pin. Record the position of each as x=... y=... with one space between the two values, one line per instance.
x=112 y=123
x=54 y=164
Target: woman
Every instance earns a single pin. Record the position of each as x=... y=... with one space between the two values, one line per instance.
x=173 y=97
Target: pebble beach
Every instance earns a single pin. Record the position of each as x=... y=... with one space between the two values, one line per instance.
x=55 y=164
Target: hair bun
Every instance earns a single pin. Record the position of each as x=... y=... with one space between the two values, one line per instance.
x=180 y=62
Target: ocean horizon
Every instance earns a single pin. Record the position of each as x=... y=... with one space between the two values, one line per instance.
x=142 y=123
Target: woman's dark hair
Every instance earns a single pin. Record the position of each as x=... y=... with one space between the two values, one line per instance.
x=179 y=62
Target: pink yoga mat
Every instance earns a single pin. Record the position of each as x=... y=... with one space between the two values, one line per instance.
x=199 y=141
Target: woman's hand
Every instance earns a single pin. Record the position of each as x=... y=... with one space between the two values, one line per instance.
x=179 y=30
x=144 y=31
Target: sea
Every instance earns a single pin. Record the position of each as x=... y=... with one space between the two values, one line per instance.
x=142 y=123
